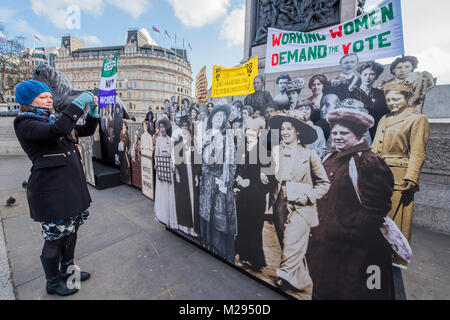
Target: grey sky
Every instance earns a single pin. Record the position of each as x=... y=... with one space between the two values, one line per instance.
x=425 y=27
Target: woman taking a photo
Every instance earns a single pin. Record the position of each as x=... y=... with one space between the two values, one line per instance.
x=57 y=192
x=348 y=239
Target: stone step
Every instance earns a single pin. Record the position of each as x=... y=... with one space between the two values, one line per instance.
x=6 y=127
x=431 y=207
x=10 y=147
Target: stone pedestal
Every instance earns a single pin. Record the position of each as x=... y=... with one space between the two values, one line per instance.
x=347 y=11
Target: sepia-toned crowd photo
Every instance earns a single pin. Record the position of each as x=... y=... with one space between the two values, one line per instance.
x=299 y=187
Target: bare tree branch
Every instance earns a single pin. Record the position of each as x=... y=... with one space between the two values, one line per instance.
x=15 y=65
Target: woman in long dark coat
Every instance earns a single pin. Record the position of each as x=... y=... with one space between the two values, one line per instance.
x=348 y=239
x=251 y=203
x=124 y=155
x=136 y=174
x=57 y=192
x=184 y=179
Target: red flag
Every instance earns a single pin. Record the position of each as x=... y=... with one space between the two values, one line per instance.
x=156 y=29
x=37 y=37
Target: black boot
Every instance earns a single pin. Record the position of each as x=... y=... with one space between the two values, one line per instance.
x=66 y=264
x=55 y=283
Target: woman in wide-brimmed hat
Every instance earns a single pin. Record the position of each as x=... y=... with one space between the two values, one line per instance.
x=348 y=239
x=165 y=211
x=300 y=181
x=218 y=226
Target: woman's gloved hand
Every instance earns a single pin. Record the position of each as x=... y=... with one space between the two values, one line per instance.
x=93 y=109
x=83 y=99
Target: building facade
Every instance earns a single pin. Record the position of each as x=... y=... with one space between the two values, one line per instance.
x=147 y=74
x=21 y=68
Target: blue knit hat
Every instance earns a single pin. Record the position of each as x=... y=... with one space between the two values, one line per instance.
x=27 y=91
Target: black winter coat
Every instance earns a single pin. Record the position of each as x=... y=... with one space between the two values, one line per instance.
x=57 y=186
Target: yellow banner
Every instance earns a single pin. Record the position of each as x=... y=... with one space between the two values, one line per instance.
x=201 y=86
x=235 y=81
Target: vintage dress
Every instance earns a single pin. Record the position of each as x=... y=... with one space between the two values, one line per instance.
x=250 y=210
x=401 y=141
x=165 y=211
x=375 y=103
x=136 y=174
x=125 y=159
x=184 y=189
x=348 y=240
x=57 y=186
x=301 y=166
x=218 y=222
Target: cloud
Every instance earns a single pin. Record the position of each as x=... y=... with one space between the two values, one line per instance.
x=133 y=7
x=56 y=10
x=53 y=9
x=434 y=60
x=197 y=13
x=91 y=40
x=6 y=14
x=233 y=27
x=148 y=36
x=25 y=29
x=426 y=40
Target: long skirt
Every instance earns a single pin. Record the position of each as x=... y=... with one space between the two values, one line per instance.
x=250 y=216
x=165 y=211
x=217 y=242
x=184 y=194
x=293 y=267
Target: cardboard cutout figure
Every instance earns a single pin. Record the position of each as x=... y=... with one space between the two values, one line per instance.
x=421 y=82
x=401 y=140
x=147 y=169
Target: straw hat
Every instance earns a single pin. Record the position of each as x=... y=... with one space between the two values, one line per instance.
x=307 y=133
